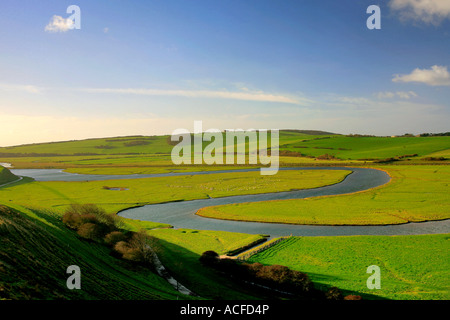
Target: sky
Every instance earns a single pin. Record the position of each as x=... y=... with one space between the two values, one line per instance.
x=151 y=67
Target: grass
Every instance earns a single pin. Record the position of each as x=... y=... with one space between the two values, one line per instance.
x=58 y=195
x=179 y=250
x=153 y=152
x=412 y=267
x=344 y=147
x=36 y=249
x=6 y=176
x=34 y=256
x=416 y=193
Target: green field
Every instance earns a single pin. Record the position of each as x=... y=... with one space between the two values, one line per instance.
x=58 y=195
x=412 y=267
x=122 y=155
x=416 y=193
x=344 y=147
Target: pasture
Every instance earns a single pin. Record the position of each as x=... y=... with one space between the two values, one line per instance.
x=412 y=267
x=58 y=195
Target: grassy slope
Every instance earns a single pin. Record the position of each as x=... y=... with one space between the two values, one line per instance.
x=34 y=256
x=344 y=147
x=57 y=195
x=36 y=248
x=180 y=249
x=412 y=267
x=6 y=176
x=416 y=193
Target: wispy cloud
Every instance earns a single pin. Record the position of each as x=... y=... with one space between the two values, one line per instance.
x=436 y=76
x=398 y=94
x=20 y=88
x=59 y=24
x=428 y=11
x=245 y=95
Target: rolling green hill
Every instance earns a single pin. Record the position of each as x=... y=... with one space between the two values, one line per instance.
x=368 y=148
x=6 y=176
x=35 y=254
x=307 y=143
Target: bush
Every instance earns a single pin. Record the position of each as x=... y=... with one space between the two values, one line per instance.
x=352 y=297
x=209 y=258
x=136 y=249
x=77 y=215
x=90 y=231
x=334 y=294
x=88 y=218
x=114 y=237
x=72 y=219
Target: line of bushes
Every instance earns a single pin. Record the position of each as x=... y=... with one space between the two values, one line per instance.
x=267 y=245
x=94 y=224
x=278 y=278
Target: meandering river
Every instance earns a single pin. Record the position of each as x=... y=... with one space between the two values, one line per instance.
x=182 y=214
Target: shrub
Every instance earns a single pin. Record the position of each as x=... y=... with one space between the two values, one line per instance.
x=90 y=231
x=78 y=214
x=114 y=237
x=326 y=156
x=334 y=294
x=72 y=219
x=209 y=258
x=88 y=218
x=352 y=297
x=136 y=249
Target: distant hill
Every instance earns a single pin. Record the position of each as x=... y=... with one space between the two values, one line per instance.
x=293 y=142
x=310 y=132
x=121 y=145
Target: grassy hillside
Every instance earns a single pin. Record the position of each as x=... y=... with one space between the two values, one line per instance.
x=6 y=176
x=412 y=267
x=153 y=152
x=347 y=147
x=118 y=145
x=35 y=254
x=36 y=249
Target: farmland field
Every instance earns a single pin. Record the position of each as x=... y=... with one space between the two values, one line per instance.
x=58 y=195
x=411 y=267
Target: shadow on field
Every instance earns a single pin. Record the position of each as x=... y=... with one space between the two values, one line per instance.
x=185 y=267
x=322 y=281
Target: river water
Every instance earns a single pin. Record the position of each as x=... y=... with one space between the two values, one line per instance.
x=182 y=214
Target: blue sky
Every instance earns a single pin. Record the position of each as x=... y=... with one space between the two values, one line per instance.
x=150 y=67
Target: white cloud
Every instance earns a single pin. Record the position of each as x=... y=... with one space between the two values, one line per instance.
x=436 y=76
x=398 y=94
x=21 y=88
x=59 y=24
x=248 y=96
x=105 y=30
x=428 y=11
